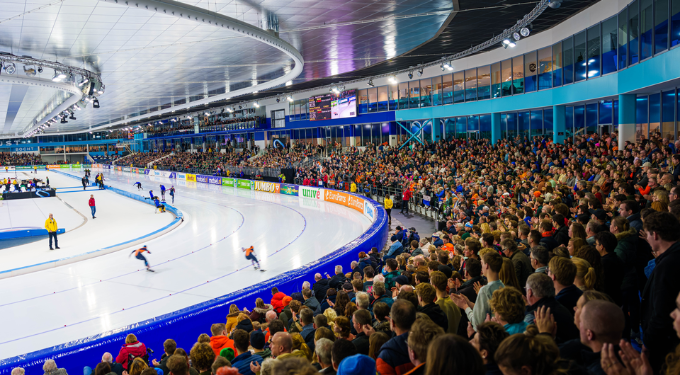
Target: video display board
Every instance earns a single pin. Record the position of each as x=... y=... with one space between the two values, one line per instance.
x=333 y=106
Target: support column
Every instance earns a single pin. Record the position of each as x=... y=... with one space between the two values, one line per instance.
x=495 y=127
x=626 y=119
x=436 y=130
x=559 y=123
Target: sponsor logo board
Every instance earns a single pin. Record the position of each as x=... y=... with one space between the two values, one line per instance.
x=147 y=171
x=356 y=203
x=181 y=176
x=336 y=197
x=190 y=177
x=269 y=187
x=202 y=178
x=228 y=181
x=369 y=211
x=314 y=193
x=215 y=180
x=289 y=190
x=244 y=184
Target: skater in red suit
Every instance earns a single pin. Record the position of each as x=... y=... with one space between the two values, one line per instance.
x=250 y=255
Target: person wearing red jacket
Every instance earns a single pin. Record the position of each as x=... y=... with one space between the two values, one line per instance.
x=131 y=347
x=277 y=300
x=404 y=200
x=93 y=208
x=219 y=339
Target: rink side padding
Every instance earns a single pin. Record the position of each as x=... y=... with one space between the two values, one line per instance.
x=185 y=325
x=104 y=250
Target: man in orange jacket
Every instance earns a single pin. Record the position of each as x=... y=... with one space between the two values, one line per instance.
x=219 y=339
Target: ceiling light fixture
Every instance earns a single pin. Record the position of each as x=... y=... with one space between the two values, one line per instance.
x=289 y=98
x=393 y=79
x=58 y=76
x=370 y=82
x=508 y=43
x=410 y=74
x=525 y=31
x=516 y=36
x=420 y=72
x=256 y=104
x=30 y=71
x=95 y=103
x=10 y=68
x=72 y=117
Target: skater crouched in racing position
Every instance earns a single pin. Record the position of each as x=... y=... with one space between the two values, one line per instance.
x=250 y=255
x=140 y=256
x=138 y=184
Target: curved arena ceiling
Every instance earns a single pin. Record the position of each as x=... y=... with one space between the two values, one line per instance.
x=151 y=60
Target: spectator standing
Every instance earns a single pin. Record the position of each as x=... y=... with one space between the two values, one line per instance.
x=540 y=292
x=51 y=226
x=476 y=312
x=521 y=262
x=393 y=358
x=563 y=272
x=423 y=332
x=92 y=205
x=452 y=312
x=406 y=196
x=662 y=231
x=388 y=208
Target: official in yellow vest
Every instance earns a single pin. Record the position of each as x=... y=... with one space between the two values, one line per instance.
x=51 y=226
x=388 y=207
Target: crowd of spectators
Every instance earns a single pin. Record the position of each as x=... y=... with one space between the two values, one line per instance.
x=142 y=159
x=556 y=258
x=210 y=162
x=284 y=157
x=9 y=159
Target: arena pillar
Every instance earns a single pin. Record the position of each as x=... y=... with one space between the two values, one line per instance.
x=436 y=130
x=495 y=127
x=626 y=119
x=559 y=123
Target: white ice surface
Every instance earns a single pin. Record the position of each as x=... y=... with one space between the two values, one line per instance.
x=133 y=219
x=52 y=307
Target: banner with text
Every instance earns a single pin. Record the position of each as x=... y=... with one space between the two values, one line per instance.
x=190 y=177
x=269 y=187
x=289 y=189
x=244 y=184
x=227 y=181
x=314 y=193
x=214 y=180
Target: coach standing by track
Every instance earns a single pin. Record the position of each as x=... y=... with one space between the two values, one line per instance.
x=51 y=226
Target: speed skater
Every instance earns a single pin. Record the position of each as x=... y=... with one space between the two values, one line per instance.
x=250 y=254
x=140 y=256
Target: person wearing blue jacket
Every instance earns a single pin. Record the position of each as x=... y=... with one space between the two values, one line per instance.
x=163 y=193
x=243 y=356
x=395 y=249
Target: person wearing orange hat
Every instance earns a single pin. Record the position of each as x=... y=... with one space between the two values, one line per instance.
x=537 y=193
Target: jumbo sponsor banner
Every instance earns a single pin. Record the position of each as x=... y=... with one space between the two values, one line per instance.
x=314 y=193
x=289 y=189
x=181 y=176
x=356 y=203
x=269 y=187
x=215 y=180
x=202 y=178
x=369 y=211
x=228 y=181
x=190 y=177
x=147 y=171
x=335 y=196
x=244 y=184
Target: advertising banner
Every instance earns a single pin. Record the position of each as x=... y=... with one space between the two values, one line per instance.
x=314 y=193
x=64 y=166
x=22 y=168
x=87 y=165
x=356 y=203
x=369 y=211
x=244 y=184
x=119 y=168
x=190 y=177
x=289 y=189
x=52 y=166
x=202 y=178
x=168 y=174
x=157 y=173
x=180 y=176
x=12 y=168
x=228 y=181
x=147 y=171
x=126 y=169
x=269 y=187
x=215 y=180
x=335 y=196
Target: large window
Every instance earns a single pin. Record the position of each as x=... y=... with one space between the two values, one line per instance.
x=403 y=95
x=394 y=97
x=623 y=39
x=362 y=101
x=675 y=22
x=647 y=28
x=641 y=117
x=660 y=25
x=414 y=91
x=668 y=114
x=594 y=51
x=545 y=68
x=373 y=100
x=524 y=124
x=496 y=79
x=634 y=32
x=447 y=88
x=458 y=87
x=609 y=44
x=470 y=85
x=506 y=77
x=518 y=75
x=568 y=60
x=580 y=56
x=484 y=82
x=382 y=98
x=557 y=64
x=530 y=69
x=437 y=90
x=654 y=114
x=536 y=123
x=425 y=92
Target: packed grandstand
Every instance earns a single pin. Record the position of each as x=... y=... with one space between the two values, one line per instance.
x=551 y=258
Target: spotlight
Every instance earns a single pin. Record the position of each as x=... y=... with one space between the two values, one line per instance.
x=30 y=71
x=441 y=66
x=239 y=107
x=525 y=32
x=40 y=69
x=420 y=72
x=10 y=68
x=393 y=79
x=84 y=81
x=289 y=98
x=555 y=4
x=449 y=66
x=58 y=76
x=72 y=117
x=508 y=43
x=95 y=103
x=516 y=36
x=278 y=100
x=370 y=82
x=410 y=74
x=63 y=120
x=256 y=104
x=335 y=89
